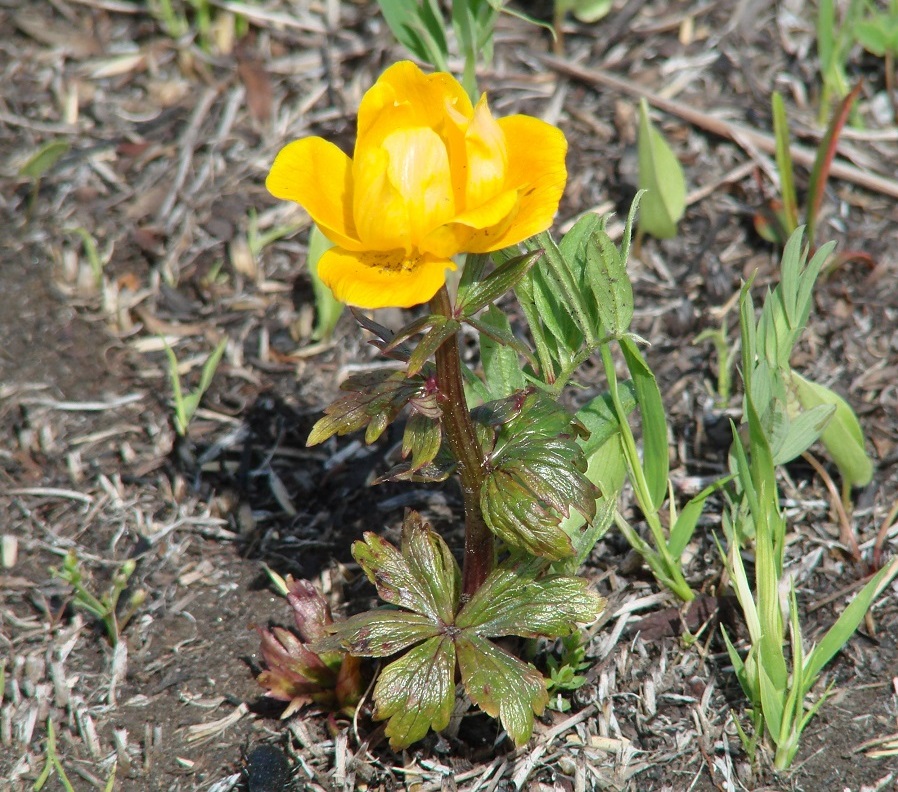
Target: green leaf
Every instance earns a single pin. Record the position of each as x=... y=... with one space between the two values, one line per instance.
x=376 y=396
x=784 y=163
x=590 y=11
x=837 y=635
x=535 y=476
x=489 y=289
x=501 y=685
x=419 y=26
x=421 y=439
x=661 y=175
x=501 y=366
x=513 y=602
x=44 y=158
x=600 y=419
x=443 y=327
x=654 y=423
x=417 y=691
x=423 y=577
x=377 y=633
x=684 y=526
x=328 y=308
x=803 y=431
x=610 y=284
x=843 y=436
x=559 y=278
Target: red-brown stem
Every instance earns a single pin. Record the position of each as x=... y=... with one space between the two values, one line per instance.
x=479 y=550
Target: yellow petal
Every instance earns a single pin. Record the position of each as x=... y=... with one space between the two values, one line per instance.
x=406 y=96
x=382 y=280
x=318 y=176
x=486 y=157
x=404 y=189
x=536 y=169
x=473 y=231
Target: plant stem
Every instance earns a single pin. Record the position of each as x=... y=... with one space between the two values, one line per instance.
x=479 y=549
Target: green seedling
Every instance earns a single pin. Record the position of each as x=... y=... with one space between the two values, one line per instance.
x=104 y=607
x=186 y=405
x=39 y=163
x=566 y=671
x=877 y=32
x=778 y=673
x=782 y=219
x=661 y=176
x=52 y=764
x=727 y=354
x=836 y=38
x=796 y=411
x=93 y=255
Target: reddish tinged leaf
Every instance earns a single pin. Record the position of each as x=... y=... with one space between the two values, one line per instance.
x=826 y=152
x=311 y=613
x=284 y=653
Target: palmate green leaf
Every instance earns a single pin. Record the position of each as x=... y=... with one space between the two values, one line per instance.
x=501 y=685
x=661 y=175
x=843 y=436
x=513 y=602
x=535 y=477
x=377 y=633
x=443 y=327
x=417 y=691
x=423 y=577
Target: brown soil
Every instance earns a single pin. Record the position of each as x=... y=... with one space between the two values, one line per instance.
x=168 y=149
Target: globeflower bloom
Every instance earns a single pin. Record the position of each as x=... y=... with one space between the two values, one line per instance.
x=432 y=176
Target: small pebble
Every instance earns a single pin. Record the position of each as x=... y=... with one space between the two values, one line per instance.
x=267 y=769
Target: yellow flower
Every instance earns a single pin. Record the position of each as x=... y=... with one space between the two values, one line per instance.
x=432 y=176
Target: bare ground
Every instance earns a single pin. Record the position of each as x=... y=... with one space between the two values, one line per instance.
x=168 y=149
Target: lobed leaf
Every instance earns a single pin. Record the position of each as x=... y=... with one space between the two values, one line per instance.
x=417 y=692
x=513 y=602
x=501 y=685
x=377 y=633
x=422 y=578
